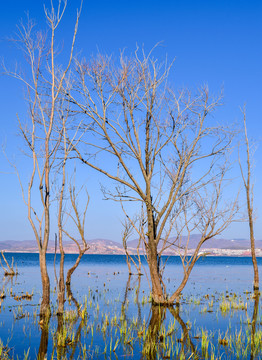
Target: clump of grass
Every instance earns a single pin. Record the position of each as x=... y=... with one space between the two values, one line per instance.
x=224 y=306
x=197 y=301
x=4 y=351
x=205 y=344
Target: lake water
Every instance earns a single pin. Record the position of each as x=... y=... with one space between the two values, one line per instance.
x=101 y=282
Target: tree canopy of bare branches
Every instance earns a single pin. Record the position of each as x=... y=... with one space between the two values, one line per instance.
x=160 y=147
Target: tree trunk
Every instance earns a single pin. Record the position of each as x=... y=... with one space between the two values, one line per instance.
x=72 y=269
x=128 y=261
x=61 y=285
x=253 y=251
x=158 y=297
x=45 y=304
x=175 y=297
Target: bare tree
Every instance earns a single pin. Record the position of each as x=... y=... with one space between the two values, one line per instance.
x=158 y=146
x=129 y=225
x=249 y=203
x=9 y=270
x=63 y=127
x=79 y=221
x=43 y=85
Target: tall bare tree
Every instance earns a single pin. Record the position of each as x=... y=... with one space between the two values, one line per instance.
x=43 y=84
x=78 y=219
x=135 y=258
x=249 y=203
x=158 y=146
x=63 y=127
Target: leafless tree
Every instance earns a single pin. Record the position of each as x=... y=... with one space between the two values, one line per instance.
x=43 y=84
x=79 y=221
x=9 y=270
x=63 y=127
x=126 y=233
x=249 y=203
x=160 y=147
x=129 y=225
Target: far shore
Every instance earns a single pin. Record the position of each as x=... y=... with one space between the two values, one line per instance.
x=225 y=253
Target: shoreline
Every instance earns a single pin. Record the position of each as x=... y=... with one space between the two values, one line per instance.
x=208 y=254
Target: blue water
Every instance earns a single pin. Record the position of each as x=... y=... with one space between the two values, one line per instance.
x=27 y=259
x=102 y=281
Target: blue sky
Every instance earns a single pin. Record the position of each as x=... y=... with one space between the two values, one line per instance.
x=213 y=42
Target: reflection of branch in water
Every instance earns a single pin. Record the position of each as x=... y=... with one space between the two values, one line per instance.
x=186 y=340
x=70 y=297
x=60 y=351
x=77 y=339
x=152 y=348
x=127 y=290
x=2 y=292
x=137 y=289
x=44 y=324
x=254 y=323
x=66 y=340
x=6 y=280
x=139 y=315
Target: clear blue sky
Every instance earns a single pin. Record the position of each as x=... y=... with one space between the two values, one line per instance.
x=214 y=42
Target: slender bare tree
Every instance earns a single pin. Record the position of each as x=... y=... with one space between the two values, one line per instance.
x=158 y=146
x=79 y=221
x=135 y=258
x=43 y=84
x=63 y=127
x=249 y=203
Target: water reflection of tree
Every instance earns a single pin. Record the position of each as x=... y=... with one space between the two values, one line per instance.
x=6 y=280
x=152 y=339
x=64 y=344
x=44 y=324
x=187 y=344
x=71 y=297
x=137 y=299
x=254 y=325
x=154 y=345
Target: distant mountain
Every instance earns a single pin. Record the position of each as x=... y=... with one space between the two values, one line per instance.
x=214 y=246
x=96 y=246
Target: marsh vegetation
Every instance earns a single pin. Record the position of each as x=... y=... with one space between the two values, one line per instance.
x=109 y=314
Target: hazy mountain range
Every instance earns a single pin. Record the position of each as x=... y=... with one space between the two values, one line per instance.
x=105 y=246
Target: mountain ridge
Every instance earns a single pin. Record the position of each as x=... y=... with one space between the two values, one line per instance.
x=216 y=246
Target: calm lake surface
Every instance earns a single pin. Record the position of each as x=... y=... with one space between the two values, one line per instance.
x=101 y=283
